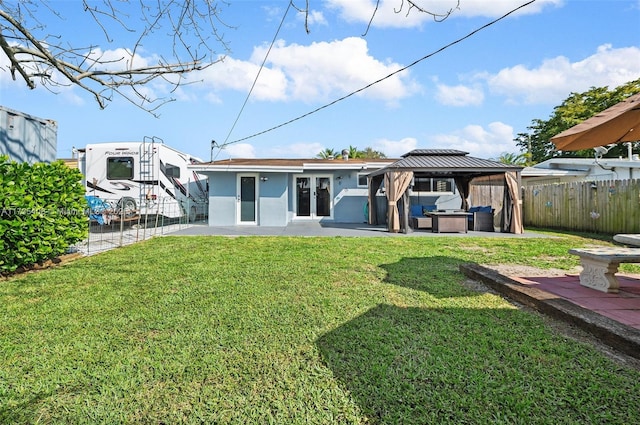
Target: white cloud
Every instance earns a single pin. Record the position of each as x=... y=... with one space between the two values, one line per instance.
x=396 y=13
x=295 y=150
x=556 y=78
x=67 y=92
x=497 y=8
x=318 y=72
x=395 y=148
x=496 y=139
x=326 y=69
x=459 y=95
x=238 y=150
x=233 y=74
x=314 y=17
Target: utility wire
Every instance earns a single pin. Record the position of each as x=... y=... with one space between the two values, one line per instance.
x=275 y=37
x=472 y=33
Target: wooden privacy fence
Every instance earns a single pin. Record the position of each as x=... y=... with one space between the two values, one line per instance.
x=608 y=207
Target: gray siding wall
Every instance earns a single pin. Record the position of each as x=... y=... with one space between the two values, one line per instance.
x=349 y=204
x=222 y=199
x=276 y=205
x=272 y=200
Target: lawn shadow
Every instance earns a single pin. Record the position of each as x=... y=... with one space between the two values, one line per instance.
x=460 y=361
x=439 y=276
x=443 y=365
x=25 y=412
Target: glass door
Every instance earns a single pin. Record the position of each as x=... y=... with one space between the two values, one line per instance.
x=323 y=196
x=303 y=196
x=247 y=205
x=313 y=195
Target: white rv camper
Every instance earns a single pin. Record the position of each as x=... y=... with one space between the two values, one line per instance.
x=143 y=178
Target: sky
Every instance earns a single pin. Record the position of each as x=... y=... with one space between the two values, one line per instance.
x=451 y=84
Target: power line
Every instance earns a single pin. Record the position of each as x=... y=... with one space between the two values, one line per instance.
x=275 y=37
x=472 y=33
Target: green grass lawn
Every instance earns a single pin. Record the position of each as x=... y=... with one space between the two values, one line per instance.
x=297 y=331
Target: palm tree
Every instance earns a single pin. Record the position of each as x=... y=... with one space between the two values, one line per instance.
x=354 y=152
x=328 y=153
x=512 y=158
x=369 y=153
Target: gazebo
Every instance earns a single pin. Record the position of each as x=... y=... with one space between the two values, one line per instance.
x=445 y=163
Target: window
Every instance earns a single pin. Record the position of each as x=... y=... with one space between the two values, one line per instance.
x=429 y=184
x=443 y=185
x=362 y=180
x=171 y=170
x=422 y=184
x=120 y=168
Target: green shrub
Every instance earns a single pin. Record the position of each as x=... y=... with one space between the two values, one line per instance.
x=42 y=212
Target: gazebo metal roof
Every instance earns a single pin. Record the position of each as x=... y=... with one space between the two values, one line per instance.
x=446 y=162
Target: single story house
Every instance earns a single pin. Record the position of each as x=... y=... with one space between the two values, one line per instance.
x=567 y=170
x=275 y=192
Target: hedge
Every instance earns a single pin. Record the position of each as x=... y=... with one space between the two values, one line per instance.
x=42 y=212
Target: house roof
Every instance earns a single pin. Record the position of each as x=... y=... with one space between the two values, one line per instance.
x=552 y=172
x=447 y=162
x=577 y=167
x=294 y=165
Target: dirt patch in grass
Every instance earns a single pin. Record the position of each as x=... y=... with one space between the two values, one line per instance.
x=520 y=271
x=57 y=261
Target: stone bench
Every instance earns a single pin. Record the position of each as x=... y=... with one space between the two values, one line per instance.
x=599 y=266
x=627 y=239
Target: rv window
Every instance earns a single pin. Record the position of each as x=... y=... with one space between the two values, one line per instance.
x=119 y=168
x=171 y=171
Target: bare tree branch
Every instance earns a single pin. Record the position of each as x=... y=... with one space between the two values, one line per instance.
x=34 y=55
x=411 y=5
x=438 y=17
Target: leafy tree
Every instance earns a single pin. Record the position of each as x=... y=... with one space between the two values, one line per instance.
x=573 y=110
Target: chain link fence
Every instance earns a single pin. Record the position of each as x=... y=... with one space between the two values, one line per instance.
x=115 y=223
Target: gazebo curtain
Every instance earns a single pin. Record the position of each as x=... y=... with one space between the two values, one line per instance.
x=462 y=184
x=512 y=206
x=396 y=184
x=374 y=184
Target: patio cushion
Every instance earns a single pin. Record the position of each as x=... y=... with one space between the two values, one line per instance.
x=416 y=210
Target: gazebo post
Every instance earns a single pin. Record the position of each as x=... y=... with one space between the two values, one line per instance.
x=405 y=212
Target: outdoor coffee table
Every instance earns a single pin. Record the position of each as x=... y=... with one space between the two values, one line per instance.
x=449 y=221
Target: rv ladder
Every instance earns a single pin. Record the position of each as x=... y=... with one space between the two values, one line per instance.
x=147 y=174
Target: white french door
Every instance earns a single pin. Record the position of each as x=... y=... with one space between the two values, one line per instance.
x=313 y=196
